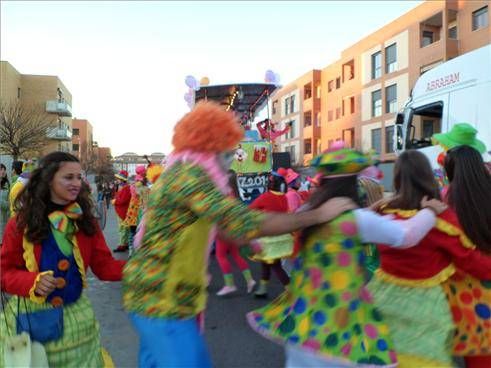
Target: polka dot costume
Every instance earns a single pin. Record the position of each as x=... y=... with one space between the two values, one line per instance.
x=470 y=302
x=326 y=309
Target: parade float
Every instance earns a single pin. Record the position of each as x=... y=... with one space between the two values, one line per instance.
x=253 y=158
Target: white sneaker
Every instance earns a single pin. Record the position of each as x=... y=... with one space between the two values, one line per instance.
x=250 y=286
x=226 y=290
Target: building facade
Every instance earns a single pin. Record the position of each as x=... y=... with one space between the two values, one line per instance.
x=299 y=104
x=82 y=140
x=45 y=93
x=361 y=92
x=129 y=161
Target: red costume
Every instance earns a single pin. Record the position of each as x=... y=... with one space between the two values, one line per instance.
x=270 y=202
x=433 y=260
x=122 y=201
x=15 y=277
x=269 y=134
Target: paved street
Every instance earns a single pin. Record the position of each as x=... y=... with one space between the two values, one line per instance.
x=231 y=341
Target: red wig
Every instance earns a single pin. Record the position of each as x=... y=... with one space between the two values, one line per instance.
x=207 y=128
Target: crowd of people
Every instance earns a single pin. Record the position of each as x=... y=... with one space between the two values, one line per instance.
x=369 y=280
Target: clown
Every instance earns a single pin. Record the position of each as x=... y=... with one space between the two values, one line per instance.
x=165 y=281
x=326 y=318
x=121 y=204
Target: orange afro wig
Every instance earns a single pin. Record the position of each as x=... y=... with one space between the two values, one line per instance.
x=207 y=128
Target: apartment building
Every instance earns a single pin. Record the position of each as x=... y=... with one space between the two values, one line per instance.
x=299 y=104
x=362 y=91
x=82 y=139
x=44 y=92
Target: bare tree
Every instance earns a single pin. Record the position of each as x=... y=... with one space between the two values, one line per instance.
x=23 y=129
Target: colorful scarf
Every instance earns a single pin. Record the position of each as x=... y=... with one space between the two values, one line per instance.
x=59 y=219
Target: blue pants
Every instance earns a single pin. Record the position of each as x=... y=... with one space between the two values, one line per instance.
x=170 y=343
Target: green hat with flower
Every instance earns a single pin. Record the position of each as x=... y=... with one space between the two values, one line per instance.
x=462 y=134
x=341 y=162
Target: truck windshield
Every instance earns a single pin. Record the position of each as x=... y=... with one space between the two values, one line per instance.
x=421 y=123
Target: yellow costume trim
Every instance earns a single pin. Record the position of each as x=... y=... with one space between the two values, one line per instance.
x=448 y=228
x=32 y=295
x=277 y=193
x=29 y=256
x=413 y=361
x=80 y=261
x=106 y=359
x=436 y=280
x=441 y=225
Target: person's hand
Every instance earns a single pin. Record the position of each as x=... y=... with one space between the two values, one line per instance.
x=333 y=208
x=433 y=204
x=46 y=285
x=381 y=203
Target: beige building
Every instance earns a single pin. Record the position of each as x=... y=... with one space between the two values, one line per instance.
x=45 y=92
x=82 y=140
x=298 y=104
x=363 y=90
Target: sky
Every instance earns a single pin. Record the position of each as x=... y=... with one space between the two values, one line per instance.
x=125 y=62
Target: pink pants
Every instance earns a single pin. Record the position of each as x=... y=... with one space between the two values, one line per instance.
x=222 y=249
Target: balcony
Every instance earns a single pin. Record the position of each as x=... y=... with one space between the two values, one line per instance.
x=59 y=107
x=60 y=134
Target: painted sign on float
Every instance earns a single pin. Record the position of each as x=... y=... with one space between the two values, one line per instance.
x=252 y=186
x=252 y=157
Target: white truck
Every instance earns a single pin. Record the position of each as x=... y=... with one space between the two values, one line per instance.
x=456 y=91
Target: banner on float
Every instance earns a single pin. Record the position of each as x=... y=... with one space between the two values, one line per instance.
x=252 y=186
x=252 y=157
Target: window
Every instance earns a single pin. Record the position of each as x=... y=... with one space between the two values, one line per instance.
x=452 y=32
x=330 y=86
x=376 y=140
x=75 y=147
x=389 y=139
x=427 y=38
x=275 y=105
x=338 y=82
x=391 y=58
x=75 y=131
x=349 y=70
x=425 y=68
x=307 y=91
x=352 y=104
x=329 y=115
x=349 y=137
x=376 y=65
x=307 y=146
x=293 y=157
x=376 y=103
x=480 y=18
x=428 y=128
x=307 y=118
x=391 y=99
x=338 y=113
x=287 y=100
x=292 y=104
x=291 y=132
x=18 y=92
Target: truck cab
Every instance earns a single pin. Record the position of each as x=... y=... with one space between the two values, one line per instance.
x=456 y=91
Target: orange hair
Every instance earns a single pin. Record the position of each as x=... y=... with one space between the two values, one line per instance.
x=207 y=128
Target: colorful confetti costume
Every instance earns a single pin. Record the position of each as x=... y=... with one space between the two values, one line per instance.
x=326 y=311
x=412 y=298
x=165 y=282
x=67 y=254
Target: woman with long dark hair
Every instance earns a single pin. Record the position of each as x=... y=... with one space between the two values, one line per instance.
x=4 y=199
x=326 y=318
x=47 y=249
x=469 y=194
x=225 y=247
x=407 y=288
